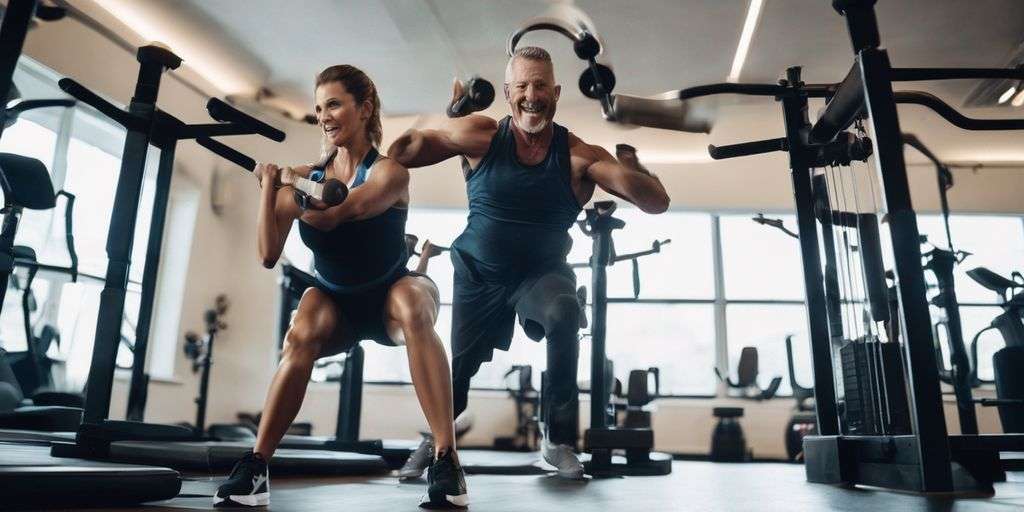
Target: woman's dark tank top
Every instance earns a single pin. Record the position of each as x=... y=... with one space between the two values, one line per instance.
x=359 y=254
x=519 y=215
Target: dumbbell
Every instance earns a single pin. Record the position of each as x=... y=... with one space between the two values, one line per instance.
x=477 y=95
x=331 y=191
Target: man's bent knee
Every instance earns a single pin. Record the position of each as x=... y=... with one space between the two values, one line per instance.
x=562 y=315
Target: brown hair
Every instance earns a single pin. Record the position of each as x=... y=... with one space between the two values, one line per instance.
x=362 y=89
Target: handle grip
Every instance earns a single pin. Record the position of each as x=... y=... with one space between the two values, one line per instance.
x=665 y=111
x=83 y=94
x=221 y=111
x=747 y=148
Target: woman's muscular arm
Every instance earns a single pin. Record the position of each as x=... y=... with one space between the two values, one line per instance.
x=276 y=213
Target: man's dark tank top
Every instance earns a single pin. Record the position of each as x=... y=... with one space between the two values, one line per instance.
x=519 y=215
x=358 y=254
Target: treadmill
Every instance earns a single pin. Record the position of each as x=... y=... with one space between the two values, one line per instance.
x=29 y=476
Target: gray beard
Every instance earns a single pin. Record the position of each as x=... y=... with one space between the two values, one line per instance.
x=539 y=128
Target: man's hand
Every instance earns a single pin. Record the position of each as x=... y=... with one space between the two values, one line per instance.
x=473 y=95
x=626 y=155
x=458 y=91
x=429 y=250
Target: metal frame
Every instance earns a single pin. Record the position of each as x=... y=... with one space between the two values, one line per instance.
x=146 y=126
x=929 y=460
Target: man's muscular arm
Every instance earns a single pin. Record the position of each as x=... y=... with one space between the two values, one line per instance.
x=625 y=179
x=468 y=136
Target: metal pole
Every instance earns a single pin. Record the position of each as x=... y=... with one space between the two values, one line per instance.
x=599 y=289
x=154 y=247
x=926 y=411
x=13 y=30
x=119 y=241
x=796 y=121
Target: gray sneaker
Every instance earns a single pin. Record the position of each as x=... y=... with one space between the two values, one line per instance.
x=419 y=460
x=563 y=458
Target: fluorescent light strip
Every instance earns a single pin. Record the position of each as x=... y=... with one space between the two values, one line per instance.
x=753 y=13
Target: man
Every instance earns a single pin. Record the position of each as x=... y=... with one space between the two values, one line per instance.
x=527 y=179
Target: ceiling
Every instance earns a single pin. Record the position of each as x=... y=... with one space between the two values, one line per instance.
x=412 y=48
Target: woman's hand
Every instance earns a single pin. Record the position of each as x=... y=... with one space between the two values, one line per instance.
x=273 y=175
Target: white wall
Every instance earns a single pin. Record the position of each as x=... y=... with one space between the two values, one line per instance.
x=222 y=259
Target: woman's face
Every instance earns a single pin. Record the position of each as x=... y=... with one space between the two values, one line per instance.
x=340 y=117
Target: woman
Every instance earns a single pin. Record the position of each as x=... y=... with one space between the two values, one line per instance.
x=364 y=289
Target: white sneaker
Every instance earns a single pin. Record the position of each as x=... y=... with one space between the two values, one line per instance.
x=563 y=458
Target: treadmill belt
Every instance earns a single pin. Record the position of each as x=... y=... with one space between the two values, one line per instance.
x=221 y=456
x=30 y=477
x=492 y=462
x=394 y=451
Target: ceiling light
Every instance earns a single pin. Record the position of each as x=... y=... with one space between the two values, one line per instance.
x=154 y=21
x=753 y=13
x=1018 y=100
x=1007 y=95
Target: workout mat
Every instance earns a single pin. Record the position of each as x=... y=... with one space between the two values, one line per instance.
x=30 y=477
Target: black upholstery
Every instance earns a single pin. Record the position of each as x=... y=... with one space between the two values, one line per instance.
x=31 y=478
x=26 y=182
x=44 y=416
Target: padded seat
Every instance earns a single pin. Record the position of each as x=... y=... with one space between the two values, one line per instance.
x=26 y=182
x=24 y=252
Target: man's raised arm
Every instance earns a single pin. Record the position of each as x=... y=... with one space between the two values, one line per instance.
x=468 y=136
x=625 y=177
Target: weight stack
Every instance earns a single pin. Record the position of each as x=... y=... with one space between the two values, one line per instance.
x=876 y=398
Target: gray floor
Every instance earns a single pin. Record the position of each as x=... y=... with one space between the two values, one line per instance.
x=692 y=486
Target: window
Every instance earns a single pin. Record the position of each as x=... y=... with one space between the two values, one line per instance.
x=679 y=339
x=34 y=140
x=82 y=150
x=760 y=262
x=974 y=319
x=766 y=326
x=684 y=268
x=763 y=281
x=995 y=242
